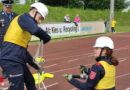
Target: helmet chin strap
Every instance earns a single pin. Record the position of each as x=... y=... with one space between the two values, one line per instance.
x=35 y=16
x=99 y=58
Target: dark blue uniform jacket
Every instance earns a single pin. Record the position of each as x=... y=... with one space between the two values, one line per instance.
x=5 y=20
x=91 y=83
x=15 y=53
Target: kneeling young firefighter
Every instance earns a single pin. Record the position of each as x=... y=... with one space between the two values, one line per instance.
x=14 y=54
x=101 y=76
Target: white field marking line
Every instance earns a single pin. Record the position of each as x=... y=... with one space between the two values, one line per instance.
x=126 y=47
x=122 y=75
x=122 y=60
x=50 y=65
x=73 y=60
x=73 y=89
x=69 y=68
x=71 y=56
x=127 y=88
x=92 y=54
x=52 y=84
x=84 y=65
x=79 y=59
x=125 y=58
x=57 y=64
x=89 y=54
x=64 y=69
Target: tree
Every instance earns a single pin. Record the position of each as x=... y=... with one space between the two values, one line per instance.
x=104 y=4
x=93 y=4
x=65 y=3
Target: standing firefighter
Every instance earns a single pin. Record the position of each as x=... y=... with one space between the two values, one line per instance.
x=113 y=24
x=102 y=74
x=14 y=54
x=6 y=16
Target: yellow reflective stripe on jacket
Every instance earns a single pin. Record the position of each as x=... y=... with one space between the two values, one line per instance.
x=15 y=34
x=108 y=81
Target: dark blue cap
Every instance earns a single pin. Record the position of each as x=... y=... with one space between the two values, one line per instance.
x=7 y=1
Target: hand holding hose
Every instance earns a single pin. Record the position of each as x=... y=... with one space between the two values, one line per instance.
x=83 y=69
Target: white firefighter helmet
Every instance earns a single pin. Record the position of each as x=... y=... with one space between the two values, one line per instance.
x=104 y=41
x=41 y=8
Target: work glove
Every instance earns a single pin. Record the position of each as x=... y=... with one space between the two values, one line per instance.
x=68 y=77
x=83 y=76
x=39 y=59
x=40 y=70
x=83 y=69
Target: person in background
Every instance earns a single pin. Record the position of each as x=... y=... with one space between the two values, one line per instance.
x=105 y=23
x=102 y=74
x=67 y=19
x=6 y=16
x=113 y=24
x=14 y=54
x=77 y=19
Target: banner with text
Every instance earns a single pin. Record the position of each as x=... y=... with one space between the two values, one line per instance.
x=92 y=27
x=61 y=29
x=58 y=30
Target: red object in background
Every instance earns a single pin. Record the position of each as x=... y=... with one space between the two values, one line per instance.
x=1 y=79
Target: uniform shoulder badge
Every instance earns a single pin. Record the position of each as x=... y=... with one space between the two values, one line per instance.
x=92 y=75
x=98 y=64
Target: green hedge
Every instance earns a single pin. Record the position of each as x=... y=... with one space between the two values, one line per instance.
x=56 y=14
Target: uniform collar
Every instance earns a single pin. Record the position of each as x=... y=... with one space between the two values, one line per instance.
x=105 y=59
x=6 y=13
x=31 y=17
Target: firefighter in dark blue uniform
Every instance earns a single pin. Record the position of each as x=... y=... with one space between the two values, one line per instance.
x=102 y=74
x=14 y=54
x=6 y=16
